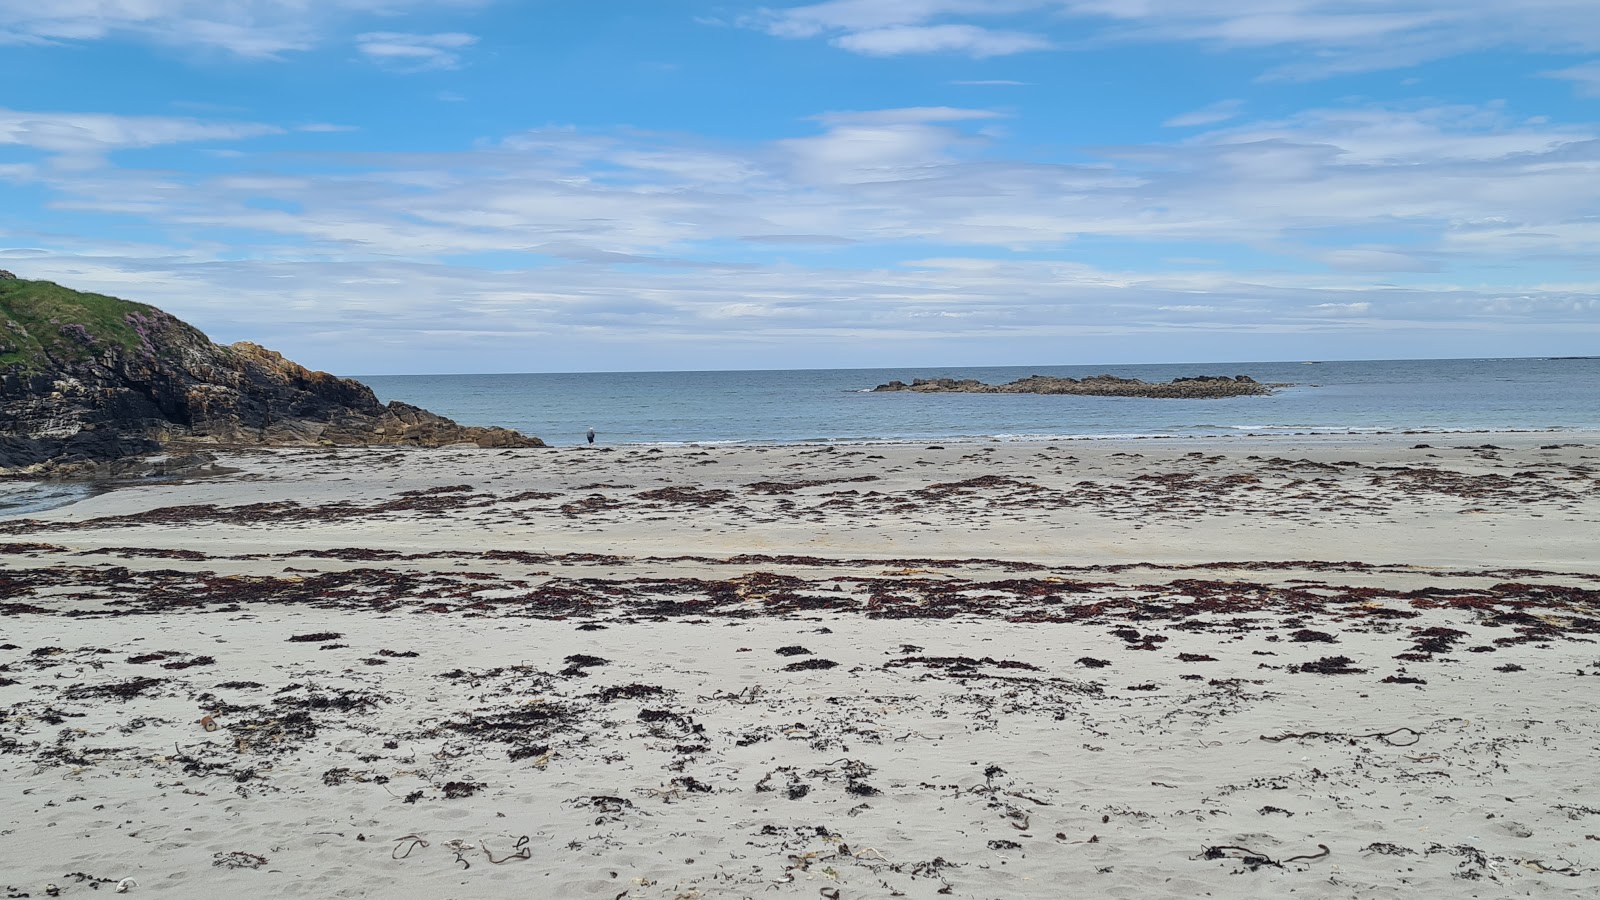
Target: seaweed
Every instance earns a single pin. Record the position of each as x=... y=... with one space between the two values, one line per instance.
x=1329 y=665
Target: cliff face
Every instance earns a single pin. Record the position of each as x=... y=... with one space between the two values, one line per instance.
x=85 y=377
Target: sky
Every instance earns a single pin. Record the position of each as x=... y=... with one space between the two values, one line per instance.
x=430 y=186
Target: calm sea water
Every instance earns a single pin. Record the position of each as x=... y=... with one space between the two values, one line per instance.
x=823 y=405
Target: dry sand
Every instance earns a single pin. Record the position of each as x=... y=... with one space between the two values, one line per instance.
x=1334 y=667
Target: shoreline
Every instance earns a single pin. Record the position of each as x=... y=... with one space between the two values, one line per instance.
x=1584 y=432
x=85 y=489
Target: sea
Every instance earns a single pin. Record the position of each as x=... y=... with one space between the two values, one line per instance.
x=838 y=405
x=823 y=406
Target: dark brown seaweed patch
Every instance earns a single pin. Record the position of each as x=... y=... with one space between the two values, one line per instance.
x=1329 y=665
x=808 y=665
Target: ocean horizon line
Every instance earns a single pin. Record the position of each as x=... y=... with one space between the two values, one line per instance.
x=947 y=366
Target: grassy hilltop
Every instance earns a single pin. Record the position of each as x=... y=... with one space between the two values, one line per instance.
x=44 y=325
x=86 y=378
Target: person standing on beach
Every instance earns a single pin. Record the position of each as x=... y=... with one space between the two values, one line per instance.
x=591 y=435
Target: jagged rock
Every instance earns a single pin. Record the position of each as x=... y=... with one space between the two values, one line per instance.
x=1198 y=387
x=86 y=379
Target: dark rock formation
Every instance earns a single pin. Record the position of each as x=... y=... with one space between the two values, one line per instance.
x=1200 y=387
x=85 y=379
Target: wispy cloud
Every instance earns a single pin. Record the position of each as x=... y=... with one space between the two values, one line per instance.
x=904 y=27
x=256 y=29
x=1364 y=260
x=414 y=52
x=911 y=115
x=629 y=233
x=1448 y=177
x=1221 y=111
x=1585 y=78
x=1338 y=36
x=969 y=40
x=83 y=139
x=387 y=314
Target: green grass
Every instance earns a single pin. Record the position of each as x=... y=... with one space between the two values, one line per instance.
x=39 y=309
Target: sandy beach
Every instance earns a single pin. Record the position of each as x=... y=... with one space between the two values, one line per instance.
x=1339 y=667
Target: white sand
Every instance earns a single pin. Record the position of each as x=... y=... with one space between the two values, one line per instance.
x=959 y=613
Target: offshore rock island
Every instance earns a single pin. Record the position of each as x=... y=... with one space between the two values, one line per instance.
x=86 y=379
x=1200 y=387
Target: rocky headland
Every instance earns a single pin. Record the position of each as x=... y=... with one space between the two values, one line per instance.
x=87 y=380
x=1199 y=387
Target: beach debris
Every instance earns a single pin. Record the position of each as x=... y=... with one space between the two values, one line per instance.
x=1542 y=868
x=1253 y=860
x=190 y=663
x=686 y=496
x=93 y=881
x=1329 y=665
x=1474 y=862
x=208 y=723
x=238 y=859
x=1388 y=737
x=410 y=842
x=120 y=690
x=578 y=662
x=610 y=808
x=628 y=692
x=126 y=885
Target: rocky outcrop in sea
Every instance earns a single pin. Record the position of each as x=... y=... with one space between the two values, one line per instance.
x=87 y=379
x=1199 y=387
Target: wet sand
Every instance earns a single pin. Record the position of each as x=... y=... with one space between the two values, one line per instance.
x=1334 y=666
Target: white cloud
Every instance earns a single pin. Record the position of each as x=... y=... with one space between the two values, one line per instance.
x=396 y=315
x=865 y=15
x=84 y=138
x=1360 y=308
x=1585 y=78
x=911 y=115
x=414 y=52
x=1327 y=36
x=901 y=27
x=1370 y=260
x=259 y=29
x=1221 y=111
x=631 y=233
x=971 y=40
x=1449 y=176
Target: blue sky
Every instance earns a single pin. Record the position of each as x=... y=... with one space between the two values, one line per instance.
x=393 y=186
